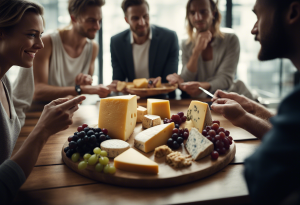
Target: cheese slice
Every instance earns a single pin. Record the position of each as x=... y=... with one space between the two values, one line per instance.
x=118 y=116
x=140 y=83
x=159 y=107
x=151 y=121
x=197 y=145
x=121 y=85
x=199 y=113
x=153 y=137
x=114 y=147
x=158 y=84
x=141 y=111
x=133 y=161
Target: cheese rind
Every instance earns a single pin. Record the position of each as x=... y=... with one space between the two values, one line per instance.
x=151 y=121
x=197 y=145
x=133 y=161
x=199 y=113
x=118 y=115
x=140 y=83
x=141 y=111
x=114 y=147
x=153 y=137
x=159 y=107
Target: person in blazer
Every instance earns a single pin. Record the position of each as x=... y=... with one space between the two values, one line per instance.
x=144 y=50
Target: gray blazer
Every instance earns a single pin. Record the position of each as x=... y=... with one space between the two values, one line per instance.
x=163 y=54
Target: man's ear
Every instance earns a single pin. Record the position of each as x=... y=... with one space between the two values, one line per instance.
x=73 y=19
x=126 y=19
x=293 y=14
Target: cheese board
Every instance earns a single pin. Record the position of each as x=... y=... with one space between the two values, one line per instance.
x=165 y=88
x=167 y=175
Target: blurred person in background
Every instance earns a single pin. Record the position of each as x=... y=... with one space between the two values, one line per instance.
x=66 y=65
x=209 y=56
x=272 y=172
x=21 y=26
x=143 y=50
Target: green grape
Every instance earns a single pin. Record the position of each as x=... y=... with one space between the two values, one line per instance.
x=82 y=165
x=75 y=157
x=86 y=157
x=106 y=169
x=99 y=167
x=97 y=150
x=112 y=170
x=93 y=160
x=103 y=160
x=103 y=153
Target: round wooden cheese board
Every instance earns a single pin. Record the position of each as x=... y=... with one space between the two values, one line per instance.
x=167 y=175
x=165 y=88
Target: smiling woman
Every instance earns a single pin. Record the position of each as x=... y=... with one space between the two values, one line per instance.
x=21 y=26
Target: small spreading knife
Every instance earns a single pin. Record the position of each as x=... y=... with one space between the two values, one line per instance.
x=208 y=93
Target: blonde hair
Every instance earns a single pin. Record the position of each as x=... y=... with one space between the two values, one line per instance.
x=12 y=11
x=216 y=21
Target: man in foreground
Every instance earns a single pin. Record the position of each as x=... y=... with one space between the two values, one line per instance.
x=272 y=172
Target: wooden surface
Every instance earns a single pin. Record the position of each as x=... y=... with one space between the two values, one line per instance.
x=167 y=176
x=52 y=182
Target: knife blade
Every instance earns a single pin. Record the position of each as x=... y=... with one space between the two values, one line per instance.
x=208 y=93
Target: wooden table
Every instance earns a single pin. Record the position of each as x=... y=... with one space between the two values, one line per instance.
x=52 y=182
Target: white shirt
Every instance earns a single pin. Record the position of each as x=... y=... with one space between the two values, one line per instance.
x=141 y=57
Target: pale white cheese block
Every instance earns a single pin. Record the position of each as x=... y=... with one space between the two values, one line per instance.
x=151 y=121
x=114 y=147
x=197 y=145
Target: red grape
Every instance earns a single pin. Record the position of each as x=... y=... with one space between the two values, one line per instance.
x=216 y=121
x=208 y=128
x=181 y=114
x=222 y=150
x=70 y=138
x=175 y=118
x=212 y=133
x=230 y=138
x=222 y=135
x=170 y=120
x=227 y=133
x=183 y=119
x=209 y=138
x=226 y=143
x=218 y=137
x=175 y=130
x=80 y=128
x=221 y=129
x=204 y=133
x=84 y=125
x=215 y=126
x=219 y=144
x=105 y=131
x=185 y=135
x=186 y=130
x=214 y=155
x=180 y=131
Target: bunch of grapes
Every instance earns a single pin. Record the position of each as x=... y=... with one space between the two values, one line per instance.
x=85 y=140
x=177 y=119
x=178 y=135
x=219 y=137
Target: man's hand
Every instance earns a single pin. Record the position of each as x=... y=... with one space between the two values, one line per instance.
x=113 y=86
x=202 y=40
x=191 y=88
x=57 y=115
x=100 y=90
x=230 y=109
x=154 y=82
x=174 y=79
x=83 y=79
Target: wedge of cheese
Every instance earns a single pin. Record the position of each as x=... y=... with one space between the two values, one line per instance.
x=114 y=147
x=118 y=115
x=197 y=145
x=141 y=111
x=159 y=107
x=121 y=85
x=158 y=84
x=140 y=83
x=199 y=113
x=133 y=161
x=151 y=121
x=153 y=137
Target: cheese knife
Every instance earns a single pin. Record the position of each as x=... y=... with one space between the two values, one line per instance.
x=208 y=93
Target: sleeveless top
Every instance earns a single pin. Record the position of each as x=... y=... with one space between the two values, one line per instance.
x=63 y=69
x=9 y=127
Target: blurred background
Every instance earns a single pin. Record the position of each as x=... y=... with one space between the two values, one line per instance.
x=272 y=80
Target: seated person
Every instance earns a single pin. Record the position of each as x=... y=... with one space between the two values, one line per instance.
x=65 y=66
x=272 y=171
x=143 y=51
x=209 y=57
x=21 y=24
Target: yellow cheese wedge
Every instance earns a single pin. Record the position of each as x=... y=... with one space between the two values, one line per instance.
x=159 y=107
x=141 y=111
x=151 y=121
x=121 y=85
x=118 y=115
x=140 y=83
x=153 y=137
x=133 y=161
x=158 y=84
x=199 y=113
